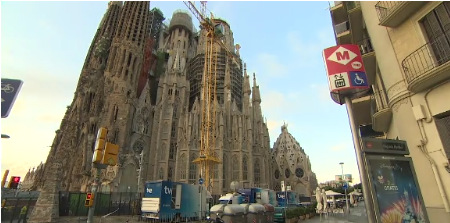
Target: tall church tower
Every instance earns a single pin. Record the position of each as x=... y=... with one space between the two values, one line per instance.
x=152 y=110
x=172 y=99
x=80 y=121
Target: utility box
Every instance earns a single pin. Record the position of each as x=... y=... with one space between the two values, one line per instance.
x=269 y=213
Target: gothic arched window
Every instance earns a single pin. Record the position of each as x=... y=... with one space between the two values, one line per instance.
x=257 y=171
x=182 y=166
x=215 y=169
x=161 y=173
x=224 y=170
x=235 y=172
x=163 y=151
x=192 y=169
x=244 y=167
x=170 y=172
x=172 y=150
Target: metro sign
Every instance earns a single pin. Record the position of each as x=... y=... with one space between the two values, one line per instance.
x=342 y=56
x=345 y=71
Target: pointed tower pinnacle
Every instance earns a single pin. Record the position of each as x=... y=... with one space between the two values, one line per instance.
x=256 y=95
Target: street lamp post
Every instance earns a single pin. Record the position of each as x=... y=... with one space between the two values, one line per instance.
x=345 y=188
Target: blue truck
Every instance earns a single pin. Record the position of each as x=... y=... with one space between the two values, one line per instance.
x=292 y=199
x=174 y=201
x=259 y=195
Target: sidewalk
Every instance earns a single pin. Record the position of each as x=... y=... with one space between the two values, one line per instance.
x=357 y=215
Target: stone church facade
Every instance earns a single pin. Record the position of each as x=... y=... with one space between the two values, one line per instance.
x=152 y=111
x=291 y=165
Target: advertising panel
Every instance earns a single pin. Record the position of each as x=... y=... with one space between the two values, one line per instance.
x=385 y=146
x=347 y=177
x=397 y=193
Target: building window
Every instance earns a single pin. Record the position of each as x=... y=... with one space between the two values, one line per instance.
x=182 y=166
x=192 y=169
x=443 y=127
x=244 y=168
x=163 y=151
x=437 y=28
x=173 y=130
x=257 y=171
x=277 y=174
x=224 y=171
x=287 y=173
x=170 y=172
x=161 y=173
x=172 y=150
x=235 y=162
x=216 y=171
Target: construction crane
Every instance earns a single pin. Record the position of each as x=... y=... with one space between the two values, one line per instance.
x=213 y=31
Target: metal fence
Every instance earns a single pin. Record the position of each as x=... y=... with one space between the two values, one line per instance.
x=365 y=46
x=384 y=8
x=429 y=56
x=72 y=204
x=380 y=101
x=13 y=206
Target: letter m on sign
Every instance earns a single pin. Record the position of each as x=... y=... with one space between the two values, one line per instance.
x=342 y=55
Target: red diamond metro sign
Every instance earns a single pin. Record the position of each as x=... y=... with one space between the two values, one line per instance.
x=345 y=70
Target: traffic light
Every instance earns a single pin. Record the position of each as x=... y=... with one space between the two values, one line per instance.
x=99 y=145
x=14 y=182
x=89 y=200
x=110 y=154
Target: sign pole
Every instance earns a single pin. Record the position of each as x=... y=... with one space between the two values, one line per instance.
x=94 y=189
x=361 y=164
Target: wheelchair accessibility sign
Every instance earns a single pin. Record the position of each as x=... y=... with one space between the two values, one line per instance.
x=358 y=79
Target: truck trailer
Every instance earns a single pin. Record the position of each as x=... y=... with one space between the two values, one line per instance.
x=174 y=201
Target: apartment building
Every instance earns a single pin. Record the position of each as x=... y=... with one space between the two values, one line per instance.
x=406 y=52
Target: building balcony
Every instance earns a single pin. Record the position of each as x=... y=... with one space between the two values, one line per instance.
x=343 y=35
x=369 y=60
x=393 y=13
x=338 y=11
x=381 y=112
x=429 y=65
x=356 y=19
x=362 y=109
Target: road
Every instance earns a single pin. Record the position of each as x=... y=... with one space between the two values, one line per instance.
x=357 y=215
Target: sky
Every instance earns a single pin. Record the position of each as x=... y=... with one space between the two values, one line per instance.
x=45 y=44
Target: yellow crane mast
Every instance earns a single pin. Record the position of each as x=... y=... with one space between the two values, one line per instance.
x=214 y=32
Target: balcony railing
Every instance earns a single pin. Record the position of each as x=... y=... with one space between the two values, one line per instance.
x=342 y=27
x=380 y=101
x=384 y=8
x=352 y=5
x=334 y=3
x=429 y=56
x=365 y=46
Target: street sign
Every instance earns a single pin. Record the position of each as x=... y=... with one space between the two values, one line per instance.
x=345 y=185
x=384 y=146
x=10 y=90
x=345 y=71
x=200 y=181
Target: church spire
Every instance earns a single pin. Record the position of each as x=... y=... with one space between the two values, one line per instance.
x=256 y=95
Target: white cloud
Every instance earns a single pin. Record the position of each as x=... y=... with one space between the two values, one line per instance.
x=220 y=9
x=322 y=91
x=307 y=52
x=271 y=66
x=341 y=146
